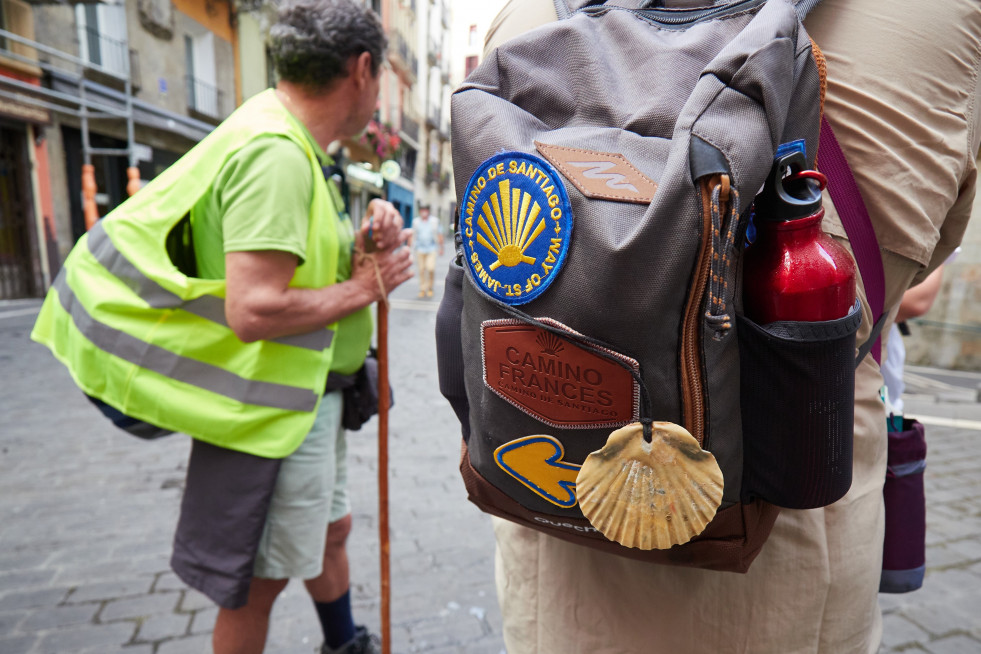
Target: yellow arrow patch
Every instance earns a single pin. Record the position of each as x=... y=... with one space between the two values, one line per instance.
x=536 y=461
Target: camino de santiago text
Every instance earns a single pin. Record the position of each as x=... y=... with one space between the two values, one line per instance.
x=544 y=267
x=548 y=379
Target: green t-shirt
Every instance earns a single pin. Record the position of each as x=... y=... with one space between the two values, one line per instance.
x=260 y=200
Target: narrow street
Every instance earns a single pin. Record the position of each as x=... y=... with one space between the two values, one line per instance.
x=87 y=516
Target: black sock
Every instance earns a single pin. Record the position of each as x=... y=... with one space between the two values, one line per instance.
x=336 y=620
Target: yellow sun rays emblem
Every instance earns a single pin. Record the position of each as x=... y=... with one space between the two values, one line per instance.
x=506 y=226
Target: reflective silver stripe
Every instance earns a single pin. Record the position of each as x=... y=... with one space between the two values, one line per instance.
x=906 y=469
x=106 y=253
x=183 y=369
x=208 y=307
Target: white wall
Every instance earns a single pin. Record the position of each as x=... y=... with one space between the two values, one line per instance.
x=465 y=14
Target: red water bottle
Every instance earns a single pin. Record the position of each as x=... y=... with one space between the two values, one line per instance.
x=793 y=270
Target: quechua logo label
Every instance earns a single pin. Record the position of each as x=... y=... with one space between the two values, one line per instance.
x=516 y=222
x=601 y=175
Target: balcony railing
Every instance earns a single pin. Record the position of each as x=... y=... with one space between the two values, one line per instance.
x=112 y=54
x=403 y=47
x=433 y=173
x=203 y=97
x=435 y=117
x=406 y=56
x=410 y=127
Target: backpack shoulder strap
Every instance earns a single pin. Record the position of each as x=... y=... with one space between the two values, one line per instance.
x=854 y=216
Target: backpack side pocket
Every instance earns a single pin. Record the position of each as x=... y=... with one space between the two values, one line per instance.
x=797 y=395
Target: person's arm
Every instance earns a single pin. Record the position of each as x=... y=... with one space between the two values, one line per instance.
x=439 y=239
x=260 y=304
x=918 y=299
x=264 y=195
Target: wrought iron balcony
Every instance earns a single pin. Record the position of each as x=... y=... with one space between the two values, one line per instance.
x=410 y=127
x=204 y=98
x=107 y=52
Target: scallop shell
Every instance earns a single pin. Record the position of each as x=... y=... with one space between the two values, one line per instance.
x=650 y=495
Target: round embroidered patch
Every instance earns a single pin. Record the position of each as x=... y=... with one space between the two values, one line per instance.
x=516 y=222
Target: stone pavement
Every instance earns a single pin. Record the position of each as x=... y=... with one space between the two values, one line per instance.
x=87 y=516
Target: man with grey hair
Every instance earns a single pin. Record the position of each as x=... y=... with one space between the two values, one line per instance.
x=275 y=230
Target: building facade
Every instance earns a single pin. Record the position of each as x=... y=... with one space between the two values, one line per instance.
x=26 y=214
x=470 y=23
x=116 y=91
x=97 y=98
x=435 y=177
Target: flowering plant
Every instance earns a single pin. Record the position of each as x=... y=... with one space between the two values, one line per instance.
x=382 y=138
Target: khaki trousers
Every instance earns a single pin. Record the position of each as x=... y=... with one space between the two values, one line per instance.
x=426 y=264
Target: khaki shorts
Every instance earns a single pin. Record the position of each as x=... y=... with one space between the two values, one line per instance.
x=310 y=493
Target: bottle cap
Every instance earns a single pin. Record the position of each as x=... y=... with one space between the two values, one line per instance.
x=787 y=194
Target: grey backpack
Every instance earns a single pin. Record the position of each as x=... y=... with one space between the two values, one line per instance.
x=606 y=166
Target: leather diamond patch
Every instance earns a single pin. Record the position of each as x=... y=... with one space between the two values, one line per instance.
x=601 y=175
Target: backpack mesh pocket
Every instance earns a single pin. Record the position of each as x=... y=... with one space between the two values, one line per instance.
x=797 y=397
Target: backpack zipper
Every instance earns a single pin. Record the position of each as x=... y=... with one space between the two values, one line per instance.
x=692 y=382
x=679 y=17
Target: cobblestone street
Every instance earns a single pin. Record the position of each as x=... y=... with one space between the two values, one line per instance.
x=87 y=516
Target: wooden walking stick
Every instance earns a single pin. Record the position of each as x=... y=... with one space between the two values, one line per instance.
x=383 y=397
x=383 y=406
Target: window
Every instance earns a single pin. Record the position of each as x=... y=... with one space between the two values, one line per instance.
x=472 y=38
x=17 y=17
x=472 y=61
x=102 y=36
x=202 y=87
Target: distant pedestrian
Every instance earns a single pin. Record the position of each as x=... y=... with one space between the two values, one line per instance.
x=426 y=241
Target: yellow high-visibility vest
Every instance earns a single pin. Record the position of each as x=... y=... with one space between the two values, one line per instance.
x=143 y=337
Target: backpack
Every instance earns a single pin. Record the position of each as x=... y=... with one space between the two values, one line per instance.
x=605 y=169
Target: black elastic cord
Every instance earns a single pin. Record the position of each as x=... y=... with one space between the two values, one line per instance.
x=866 y=347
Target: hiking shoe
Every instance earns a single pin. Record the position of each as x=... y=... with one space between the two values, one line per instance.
x=362 y=643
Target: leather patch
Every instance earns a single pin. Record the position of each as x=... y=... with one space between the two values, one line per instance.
x=601 y=175
x=555 y=380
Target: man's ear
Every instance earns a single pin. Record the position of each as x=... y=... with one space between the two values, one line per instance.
x=361 y=69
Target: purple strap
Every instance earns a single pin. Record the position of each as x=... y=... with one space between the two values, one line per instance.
x=855 y=218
